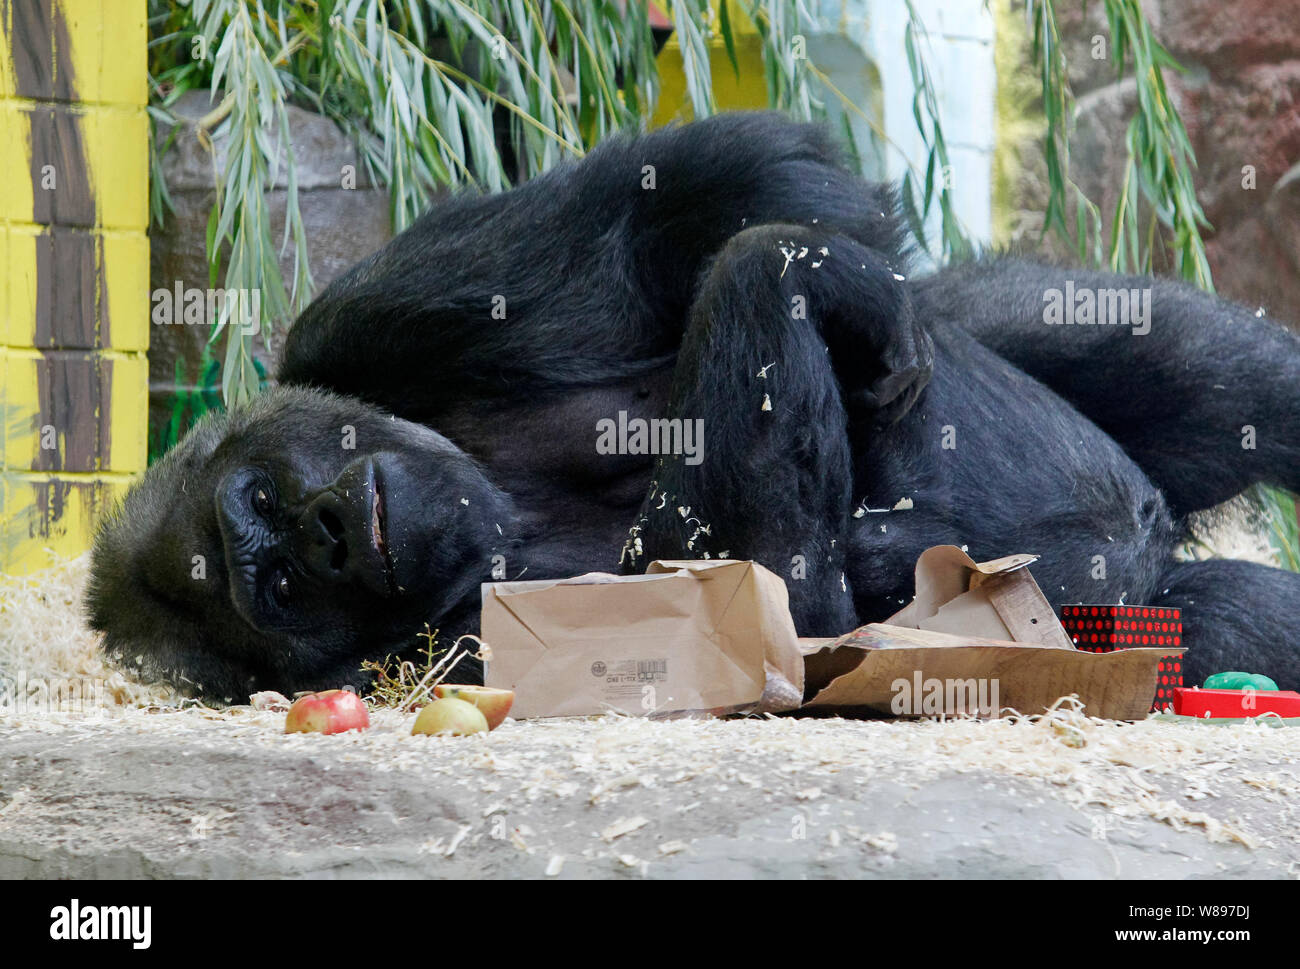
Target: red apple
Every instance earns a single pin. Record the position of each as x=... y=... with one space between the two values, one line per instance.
x=450 y=716
x=333 y=711
x=494 y=704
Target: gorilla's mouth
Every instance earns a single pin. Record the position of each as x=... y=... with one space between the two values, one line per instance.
x=378 y=526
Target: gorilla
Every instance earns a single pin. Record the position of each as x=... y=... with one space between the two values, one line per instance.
x=442 y=412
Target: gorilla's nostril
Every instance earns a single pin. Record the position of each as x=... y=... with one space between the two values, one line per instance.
x=333 y=526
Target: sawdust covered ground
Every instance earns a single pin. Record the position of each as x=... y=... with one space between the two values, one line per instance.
x=635 y=792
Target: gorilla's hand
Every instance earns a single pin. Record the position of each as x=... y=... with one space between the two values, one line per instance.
x=882 y=355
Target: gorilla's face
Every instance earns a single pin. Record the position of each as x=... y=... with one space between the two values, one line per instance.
x=278 y=546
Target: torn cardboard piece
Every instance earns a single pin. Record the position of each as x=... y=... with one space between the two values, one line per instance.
x=996 y=600
x=892 y=671
x=979 y=637
x=690 y=636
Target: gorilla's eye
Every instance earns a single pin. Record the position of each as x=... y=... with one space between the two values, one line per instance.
x=280 y=589
x=262 y=502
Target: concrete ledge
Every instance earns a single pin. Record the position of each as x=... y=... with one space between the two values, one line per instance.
x=180 y=796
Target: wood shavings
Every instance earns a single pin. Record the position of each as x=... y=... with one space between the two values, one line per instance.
x=269 y=700
x=623 y=826
x=618 y=783
x=1177 y=774
x=457 y=838
x=43 y=636
x=614 y=756
x=885 y=841
x=1177 y=817
x=791 y=254
x=903 y=504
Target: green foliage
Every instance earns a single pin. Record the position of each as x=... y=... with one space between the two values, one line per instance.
x=1281 y=512
x=1158 y=167
x=938 y=170
x=436 y=93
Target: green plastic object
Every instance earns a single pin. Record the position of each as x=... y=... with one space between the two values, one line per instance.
x=1239 y=681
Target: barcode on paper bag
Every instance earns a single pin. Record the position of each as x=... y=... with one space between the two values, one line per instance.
x=651 y=670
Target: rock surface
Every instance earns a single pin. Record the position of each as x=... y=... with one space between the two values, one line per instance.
x=180 y=795
x=1239 y=98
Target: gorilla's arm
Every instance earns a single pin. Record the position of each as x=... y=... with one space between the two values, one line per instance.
x=580 y=278
x=800 y=342
x=1179 y=389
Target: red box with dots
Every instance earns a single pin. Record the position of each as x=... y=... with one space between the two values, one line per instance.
x=1101 y=629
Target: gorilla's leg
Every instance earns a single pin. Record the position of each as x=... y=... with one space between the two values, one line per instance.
x=1203 y=395
x=793 y=335
x=1236 y=616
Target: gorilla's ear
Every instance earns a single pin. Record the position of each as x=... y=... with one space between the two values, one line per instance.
x=139 y=593
x=119 y=602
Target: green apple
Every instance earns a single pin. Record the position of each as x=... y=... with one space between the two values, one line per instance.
x=450 y=716
x=494 y=704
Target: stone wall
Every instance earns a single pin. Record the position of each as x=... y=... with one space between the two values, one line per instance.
x=1241 y=103
x=343 y=226
x=1239 y=99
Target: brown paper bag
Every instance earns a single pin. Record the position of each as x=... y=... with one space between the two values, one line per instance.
x=688 y=636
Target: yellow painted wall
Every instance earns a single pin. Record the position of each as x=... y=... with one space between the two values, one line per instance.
x=74 y=269
x=731 y=93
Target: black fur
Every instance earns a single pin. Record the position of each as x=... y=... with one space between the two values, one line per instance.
x=756 y=287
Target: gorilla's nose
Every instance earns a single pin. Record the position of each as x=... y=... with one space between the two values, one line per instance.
x=328 y=551
x=340 y=532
